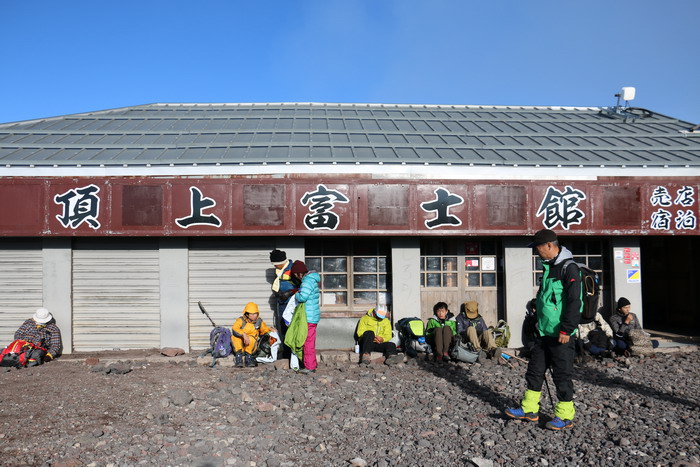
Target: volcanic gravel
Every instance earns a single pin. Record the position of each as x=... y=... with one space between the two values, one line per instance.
x=636 y=411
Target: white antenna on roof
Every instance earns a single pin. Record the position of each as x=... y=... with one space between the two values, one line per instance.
x=627 y=94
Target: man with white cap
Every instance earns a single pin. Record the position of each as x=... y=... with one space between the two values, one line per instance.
x=41 y=330
x=374 y=335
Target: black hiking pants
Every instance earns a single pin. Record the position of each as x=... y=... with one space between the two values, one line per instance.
x=547 y=352
x=367 y=345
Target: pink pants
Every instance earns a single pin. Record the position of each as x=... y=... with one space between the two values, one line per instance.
x=310 y=348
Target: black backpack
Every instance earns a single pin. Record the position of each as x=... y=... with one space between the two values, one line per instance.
x=590 y=290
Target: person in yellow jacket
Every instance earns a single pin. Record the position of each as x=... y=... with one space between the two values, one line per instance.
x=374 y=335
x=245 y=333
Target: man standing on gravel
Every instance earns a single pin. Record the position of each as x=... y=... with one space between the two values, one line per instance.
x=559 y=308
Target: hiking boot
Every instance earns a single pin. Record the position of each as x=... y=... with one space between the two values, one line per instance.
x=495 y=354
x=250 y=361
x=393 y=359
x=519 y=414
x=559 y=424
x=306 y=371
x=239 y=360
x=446 y=357
x=366 y=359
x=438 y=358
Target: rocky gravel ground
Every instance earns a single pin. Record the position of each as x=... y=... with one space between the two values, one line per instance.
x=637 y=411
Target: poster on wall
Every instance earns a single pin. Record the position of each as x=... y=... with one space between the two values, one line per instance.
x=634 y=276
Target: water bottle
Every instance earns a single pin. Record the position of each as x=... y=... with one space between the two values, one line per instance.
x=357 y=348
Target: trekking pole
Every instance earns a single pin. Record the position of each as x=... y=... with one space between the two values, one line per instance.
x=201 y=307
x=546 y=384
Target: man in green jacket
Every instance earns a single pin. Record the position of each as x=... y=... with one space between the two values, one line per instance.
x=374 y=335
x=559 y=308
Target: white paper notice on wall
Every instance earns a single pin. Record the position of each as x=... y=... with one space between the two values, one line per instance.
x=329 y=299
x=488 y=263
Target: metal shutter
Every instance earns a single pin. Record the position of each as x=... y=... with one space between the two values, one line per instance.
x=116 y=294
x=21 y=285
x=224 y=275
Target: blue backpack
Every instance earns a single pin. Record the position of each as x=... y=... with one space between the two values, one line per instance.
x=220 y=343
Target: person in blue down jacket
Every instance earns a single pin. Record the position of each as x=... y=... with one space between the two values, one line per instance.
x=310 y=294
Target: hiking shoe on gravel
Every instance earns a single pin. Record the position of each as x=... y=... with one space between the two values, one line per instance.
x=366 y=359
x=306 y=371
x=559 y=424
x=393 y=359
x=239 y=360
x=250 y=361
x=519 y=414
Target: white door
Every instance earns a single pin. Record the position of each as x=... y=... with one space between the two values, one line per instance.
x=116 y=294
x=21 y=284
x=225 y=274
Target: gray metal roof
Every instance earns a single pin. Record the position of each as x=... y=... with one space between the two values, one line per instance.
x=202 y=134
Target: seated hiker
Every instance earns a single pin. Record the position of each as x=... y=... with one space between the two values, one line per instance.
x=594 y=336
x=374 y=335
x=473 y=329
x=245 y=333
x=41 y=331
x=440 y=330
x=624 y=323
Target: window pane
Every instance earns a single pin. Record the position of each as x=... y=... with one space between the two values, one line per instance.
x=422 y=264
x=595 y=262
x=488 y=279
x=538 y=264
x=580 y=259
x=471 y=263
x=384 y=298
x=381 y=264
x=335 y=298
x=538 y=278
x=433 y=280
x=382 y=282
x=335 y=264
x=594 y=248
x=335 y=281
x=368 y=298
x=433 y=264
x=473 y=280
x=422 y=280
x=365 y=265
x=449 y=264
x=313 y=264
x=365 y=281
x=450 y=280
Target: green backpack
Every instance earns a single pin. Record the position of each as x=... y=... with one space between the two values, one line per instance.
x=501 y=333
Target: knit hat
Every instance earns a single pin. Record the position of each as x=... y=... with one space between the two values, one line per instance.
x=251 y=308
x=278 y=257
x=541 y=237
x=471 y=308
x=622 y=302
x=42 y=316
x=300 y=267
x=380 y=312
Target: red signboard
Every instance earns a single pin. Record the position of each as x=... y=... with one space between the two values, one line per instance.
x=212 y=206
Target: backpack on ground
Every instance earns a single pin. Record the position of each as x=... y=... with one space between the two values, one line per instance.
x=590 y=291
x=463 y=351
x=267 y=347
x=21 y=353
x=412 y=336
x=501 y=333
x=219 y=343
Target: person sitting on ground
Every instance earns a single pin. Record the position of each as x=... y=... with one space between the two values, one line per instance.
x=245 y=333
x=440 y=331
x=472 y=327
x=41 y=331
x=374 y=335
x=594 y=336
x=625 y=323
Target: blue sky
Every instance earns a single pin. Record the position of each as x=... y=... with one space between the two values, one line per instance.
x=79 y=56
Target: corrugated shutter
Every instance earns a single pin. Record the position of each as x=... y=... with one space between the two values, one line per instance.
x=225 y=274
x=116 y=294
x=21 y=285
